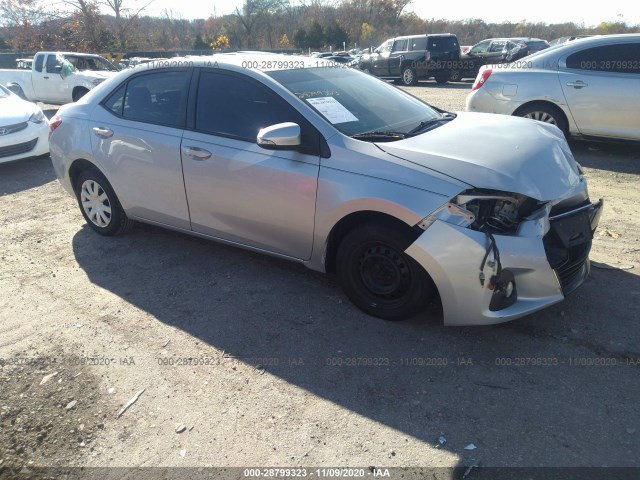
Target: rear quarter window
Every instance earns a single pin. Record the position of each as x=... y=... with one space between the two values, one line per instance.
x=443 y=44
x=620 y=58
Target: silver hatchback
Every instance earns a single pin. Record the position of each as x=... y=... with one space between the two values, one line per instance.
x=589 y=87
x=309 y=161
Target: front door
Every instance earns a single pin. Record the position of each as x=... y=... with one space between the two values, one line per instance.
x=238 y=191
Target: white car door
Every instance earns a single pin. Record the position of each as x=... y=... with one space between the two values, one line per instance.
x=49 y=85
x=602 y=87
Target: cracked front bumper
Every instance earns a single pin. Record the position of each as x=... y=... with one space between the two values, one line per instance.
x=453 y=254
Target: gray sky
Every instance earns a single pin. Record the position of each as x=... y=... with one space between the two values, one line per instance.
x=550 y=11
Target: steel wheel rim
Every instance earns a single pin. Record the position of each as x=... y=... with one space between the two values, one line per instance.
x=454 y=76
x=407 y=76
x=542 y=117
x=383 y=272
x=95 y=203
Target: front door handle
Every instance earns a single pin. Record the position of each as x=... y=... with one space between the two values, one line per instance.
x=102 y=132
x=577 y=84
x=196 y=153
x=46 y=78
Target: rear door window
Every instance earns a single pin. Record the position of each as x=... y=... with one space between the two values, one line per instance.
x=159 y=97
x=418 y=44
x=621 y=58
x=442 y=44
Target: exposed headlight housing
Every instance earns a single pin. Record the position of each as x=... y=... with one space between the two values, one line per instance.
x=37 y=117
x=497 y=212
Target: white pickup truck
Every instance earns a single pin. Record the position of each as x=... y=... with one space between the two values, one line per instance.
x=58 y=77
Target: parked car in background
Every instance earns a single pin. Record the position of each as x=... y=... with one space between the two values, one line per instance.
x=24 y=129
x=518 y=48
x=588 y=87
x=569 y=38
x=493 y=51
x=24 y=63
x=410 y=58
x=339 y=171
x=342 y=59
x=58 y=77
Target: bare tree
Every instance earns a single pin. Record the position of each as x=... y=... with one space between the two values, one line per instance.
x=126 y=14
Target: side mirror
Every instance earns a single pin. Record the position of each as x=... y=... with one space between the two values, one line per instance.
x=282 y=136
x=377 y=50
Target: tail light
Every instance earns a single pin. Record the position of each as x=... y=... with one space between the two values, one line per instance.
x=54 y=123
x=481 y=78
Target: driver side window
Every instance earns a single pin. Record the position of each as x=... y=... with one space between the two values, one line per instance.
x=244 y=109
x=53 y=65
x=480 y=48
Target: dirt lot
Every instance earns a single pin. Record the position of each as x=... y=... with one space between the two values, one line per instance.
x=244 y=360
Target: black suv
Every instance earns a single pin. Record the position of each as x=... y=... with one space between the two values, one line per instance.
x=410 y=58
x=494 y=51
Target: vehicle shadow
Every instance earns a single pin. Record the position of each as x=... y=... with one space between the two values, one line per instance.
x=511 y=390
x=615 y=157
x=25 y=174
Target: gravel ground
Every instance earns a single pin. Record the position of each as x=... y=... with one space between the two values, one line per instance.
x=245 y=360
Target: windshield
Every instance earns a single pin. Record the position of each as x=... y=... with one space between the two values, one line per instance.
x=354 y=102
x=97 y=64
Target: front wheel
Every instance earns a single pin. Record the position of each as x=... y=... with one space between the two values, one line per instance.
x=454 y=76
x=409 y=76
x=99 y=205
x=378 y=277
x=547 y=114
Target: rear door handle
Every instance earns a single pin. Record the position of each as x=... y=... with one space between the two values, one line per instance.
x=577 y=84
x=196 y=153
x=102 y=132
x=46 y=78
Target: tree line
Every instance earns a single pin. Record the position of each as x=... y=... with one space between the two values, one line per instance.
x=123 y=25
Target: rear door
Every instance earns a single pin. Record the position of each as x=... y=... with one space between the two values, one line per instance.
x=602 y=87
x=238 y=191
x=136 y=134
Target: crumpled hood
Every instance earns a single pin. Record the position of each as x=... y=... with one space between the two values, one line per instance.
x=495 y=152
x=15 y=110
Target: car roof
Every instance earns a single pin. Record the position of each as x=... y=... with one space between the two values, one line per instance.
x=262 y=61
x=72 y=53
x=424 y=35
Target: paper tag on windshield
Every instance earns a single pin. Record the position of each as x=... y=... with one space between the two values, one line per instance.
x=333 y=110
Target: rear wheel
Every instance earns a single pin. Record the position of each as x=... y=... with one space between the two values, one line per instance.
x=99 y=204
x=545 y=113
x=409 y=76
x=378 y=277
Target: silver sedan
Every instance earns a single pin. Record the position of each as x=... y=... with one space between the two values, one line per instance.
x=589 y=87
x=309 y=161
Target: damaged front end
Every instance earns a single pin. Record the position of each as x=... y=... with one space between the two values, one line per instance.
x=497 y=256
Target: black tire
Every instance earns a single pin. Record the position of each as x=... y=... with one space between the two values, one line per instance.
x=442 y=78
x=91 y=184
x=455 y=76
x=545 y=113
x=378 y=277
x=409 y=76
x=79 y=93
